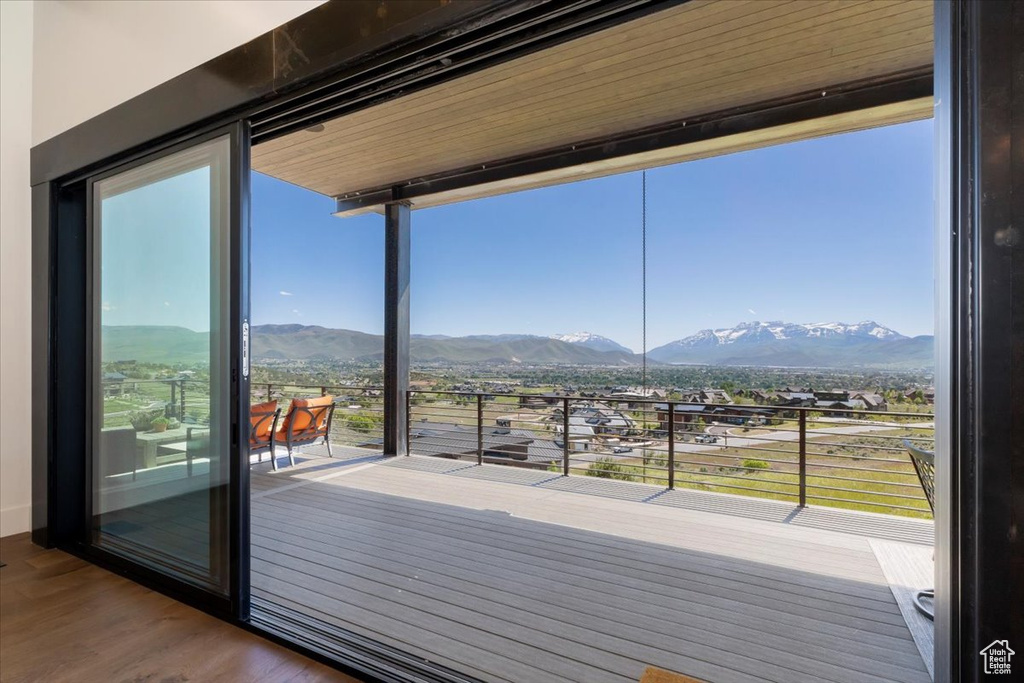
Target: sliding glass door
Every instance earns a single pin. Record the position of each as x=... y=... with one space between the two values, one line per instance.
x=169 y=309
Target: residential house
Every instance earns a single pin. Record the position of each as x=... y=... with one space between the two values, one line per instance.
x=113 y=383
x=683 y=414
x=872 y=401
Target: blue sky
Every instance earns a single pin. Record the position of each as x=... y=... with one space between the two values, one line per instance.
x=832 y=229
x=156 y=254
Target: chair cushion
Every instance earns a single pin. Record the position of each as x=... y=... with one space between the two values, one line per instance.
x=263 y=408
x=261 y=421
x=300 y=420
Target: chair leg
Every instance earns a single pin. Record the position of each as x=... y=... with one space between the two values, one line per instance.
x=921 y=607
x=328 y=442
x=291 y=458
x=273 y=460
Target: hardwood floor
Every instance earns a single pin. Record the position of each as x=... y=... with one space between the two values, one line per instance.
x=62 y=619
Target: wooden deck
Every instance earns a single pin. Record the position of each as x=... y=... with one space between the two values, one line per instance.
x=516 y=575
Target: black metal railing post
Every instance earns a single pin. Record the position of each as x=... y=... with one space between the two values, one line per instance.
x=323 y=391
x=479 y=429
x=181 y=401
x=671 y=445
x=565 y=436
x=408 y=423
x=803 y=458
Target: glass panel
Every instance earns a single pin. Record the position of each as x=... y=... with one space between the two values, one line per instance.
x=161 y=406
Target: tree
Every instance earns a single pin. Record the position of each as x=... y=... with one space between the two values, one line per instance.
x=364 y=423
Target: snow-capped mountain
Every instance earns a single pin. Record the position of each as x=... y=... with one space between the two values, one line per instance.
x=754 y=332
x=831 y=344
x=592 y=341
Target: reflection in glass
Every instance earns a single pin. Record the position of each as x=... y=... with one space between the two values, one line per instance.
x=160 y=457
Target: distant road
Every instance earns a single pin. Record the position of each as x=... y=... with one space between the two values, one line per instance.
x=732 y=441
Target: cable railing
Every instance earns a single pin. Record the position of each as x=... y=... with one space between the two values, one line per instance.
x=128 y=400
x=823 y=455
x=358 y=419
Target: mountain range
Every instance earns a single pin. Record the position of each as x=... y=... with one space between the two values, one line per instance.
x=821 y=345
x=777 y=344
x=297 y=342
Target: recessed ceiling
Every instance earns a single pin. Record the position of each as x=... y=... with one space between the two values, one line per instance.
x=698 y=58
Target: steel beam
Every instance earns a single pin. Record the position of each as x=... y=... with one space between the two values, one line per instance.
x=397 y=222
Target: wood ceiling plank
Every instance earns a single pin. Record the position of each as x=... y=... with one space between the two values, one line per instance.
x=901 y=112
x=469 y=85
x=461 y=99
x=692 y=60
x=505 y=112
x=462 y=151
x=508 y=115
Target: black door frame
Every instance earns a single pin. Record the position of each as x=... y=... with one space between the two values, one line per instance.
x=977 y=83
x=74 y=487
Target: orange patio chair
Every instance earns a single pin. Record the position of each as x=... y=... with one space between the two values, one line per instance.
x=263 y=419
x=308 y=419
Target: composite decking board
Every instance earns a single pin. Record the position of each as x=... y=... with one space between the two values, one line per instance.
x=550 y=555
x=865 y=563
x=821 y=517
x=614 y=617
x=696 y=606
x=657 y=560
x=714 y=578
x=785 y=540
x=581 y=647
x=542 y=537
x=910 y=569
x=430 y=616
x=619 y=615
x=897 y=679
x=647 y=592
x=390 y=632
x=763 y=530
x=772 y=509
x=474 y=559
x=875 y=620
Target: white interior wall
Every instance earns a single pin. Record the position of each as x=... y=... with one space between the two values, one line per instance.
x=126 y=48
x=65 y=61
x=15 y=253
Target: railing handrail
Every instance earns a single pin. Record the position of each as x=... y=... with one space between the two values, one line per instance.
x=805 y=489
x=673 y=402
x=254 y=386
x=165 y=380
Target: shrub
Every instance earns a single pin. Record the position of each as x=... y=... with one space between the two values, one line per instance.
x=160 y=421
x=655 y=459
x=756 y=464
x=363 y=422
x=607 y=468
x=142 y=420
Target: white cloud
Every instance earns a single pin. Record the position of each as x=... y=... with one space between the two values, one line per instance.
x=751 y=311
x=167 y=303
x=107 y=306
x=284 y=293
x=296 y=311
